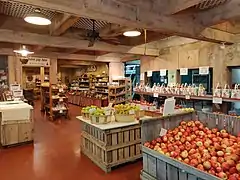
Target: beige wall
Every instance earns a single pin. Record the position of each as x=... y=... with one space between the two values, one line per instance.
x=196 y=55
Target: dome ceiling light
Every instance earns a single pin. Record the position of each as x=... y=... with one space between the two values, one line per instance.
x=37 y=18
x=23 y=51
x=134 y=33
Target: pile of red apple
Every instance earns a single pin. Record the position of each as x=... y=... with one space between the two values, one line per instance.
x=210 y=150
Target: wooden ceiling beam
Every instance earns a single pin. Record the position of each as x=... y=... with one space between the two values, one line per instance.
x=75 y=57
x=122 y=13
x=64 y=42
x=61 y=23
x=219 y=14
x=176 y=6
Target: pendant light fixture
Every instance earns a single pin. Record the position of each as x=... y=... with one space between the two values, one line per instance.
x=37 y=18
x=132 y=33
x=23 y=51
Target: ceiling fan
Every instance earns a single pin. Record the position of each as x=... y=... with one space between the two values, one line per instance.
x=94 y=36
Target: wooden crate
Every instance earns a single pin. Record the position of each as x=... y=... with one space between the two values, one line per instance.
x=111 y=147
x=158 y=166
x=16 y=132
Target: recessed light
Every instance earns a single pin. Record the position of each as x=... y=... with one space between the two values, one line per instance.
x=132 y=33
x=23 y=51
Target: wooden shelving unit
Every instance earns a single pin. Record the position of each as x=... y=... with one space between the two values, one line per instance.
x=54 y=101
x=120 y=91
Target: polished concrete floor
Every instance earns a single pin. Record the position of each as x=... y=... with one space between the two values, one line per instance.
x=56 y=155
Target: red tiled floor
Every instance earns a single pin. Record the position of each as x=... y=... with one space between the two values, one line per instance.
x=55 y=155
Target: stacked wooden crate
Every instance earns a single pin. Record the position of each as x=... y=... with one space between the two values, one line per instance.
x=111 y=144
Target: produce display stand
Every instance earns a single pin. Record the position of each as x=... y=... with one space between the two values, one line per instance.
x=111 y=144
x=223 y=107
x=158 y=166
x=16 y=123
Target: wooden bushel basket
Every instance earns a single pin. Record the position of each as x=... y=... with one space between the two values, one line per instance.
x=125 y=117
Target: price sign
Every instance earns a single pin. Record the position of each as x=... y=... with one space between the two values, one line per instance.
x=163 y=72
x=149 y=74
x=155 y=95
x=204 y=70
x=187 y=97
x=183 y=71
x=217 y=100
x=163 y=132
x=131 y=112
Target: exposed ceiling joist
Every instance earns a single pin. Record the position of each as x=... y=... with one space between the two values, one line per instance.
x=61 y=23
x=64 y=42
x=76 y=57
x=220 y=14
x=180 y=5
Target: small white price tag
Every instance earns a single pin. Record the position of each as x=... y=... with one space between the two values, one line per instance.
x=155 y=94
x=187 y=97
x=163 y=132
x=149 y=74
x=183 y=71
x=163 y=72
x=61 y=111
x=217 y=100
x=216 y=121
x=131 y=111
x=204 y=70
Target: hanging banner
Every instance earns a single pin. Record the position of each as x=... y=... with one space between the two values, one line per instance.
x=204 y=70
x=142 y=77
x=183 y=71
x=37 y=62
x=149 y=74
x=163 y=72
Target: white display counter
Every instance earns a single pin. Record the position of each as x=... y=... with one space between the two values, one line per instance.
x=16 y=121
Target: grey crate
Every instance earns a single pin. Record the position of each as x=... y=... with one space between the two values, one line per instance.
x=159 y=167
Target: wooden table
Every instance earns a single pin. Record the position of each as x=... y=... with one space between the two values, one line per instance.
x=111 y=144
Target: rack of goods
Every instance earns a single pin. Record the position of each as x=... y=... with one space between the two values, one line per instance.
x=119 y=91
x=101 y=85
x=54 y=100
x=194 y=146
x=16 y=123
x=112 y=136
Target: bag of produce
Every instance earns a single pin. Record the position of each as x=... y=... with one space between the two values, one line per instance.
x=226 y=91
x=217 y=91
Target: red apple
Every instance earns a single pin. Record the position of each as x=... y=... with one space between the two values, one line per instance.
x=222 y=175
x=225 y=166
x=238 y=167
x=220 y=153
x=207 y=165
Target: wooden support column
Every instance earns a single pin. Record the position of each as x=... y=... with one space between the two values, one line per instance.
x=116 y=69
x=11 y=69
x=42 y=74
x=53 y=71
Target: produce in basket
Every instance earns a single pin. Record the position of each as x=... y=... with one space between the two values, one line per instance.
x=86 y=111
x=126 y=109
x=100 y=116
x=210 y=150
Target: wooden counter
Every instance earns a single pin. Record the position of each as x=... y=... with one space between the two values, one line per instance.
x=111 y=144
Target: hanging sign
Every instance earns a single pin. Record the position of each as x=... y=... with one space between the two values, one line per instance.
x=204 y=70
x=142 y=77
x=37 y=62
x=149 y=74
x=183 y=71
x=163 y=72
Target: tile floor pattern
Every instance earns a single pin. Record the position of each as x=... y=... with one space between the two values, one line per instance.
x=56 y=155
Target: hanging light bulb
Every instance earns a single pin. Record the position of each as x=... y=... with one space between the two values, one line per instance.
x=23 y=51
x=37 y=18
